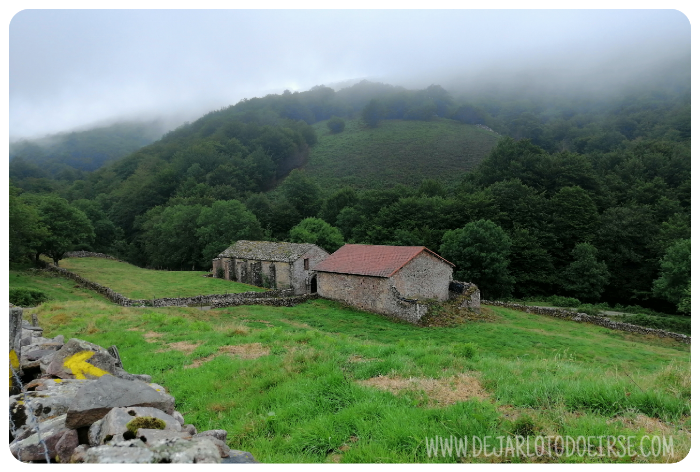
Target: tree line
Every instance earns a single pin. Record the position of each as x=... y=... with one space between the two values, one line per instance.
x=568 y=206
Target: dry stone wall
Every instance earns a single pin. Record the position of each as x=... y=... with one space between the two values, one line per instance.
x=73 y=402
x=273 y=297
x=585 y=318
x=90 y=254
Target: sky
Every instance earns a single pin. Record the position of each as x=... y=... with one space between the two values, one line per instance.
x=72 y=69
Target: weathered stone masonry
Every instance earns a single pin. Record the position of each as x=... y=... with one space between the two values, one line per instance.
x=272 y=297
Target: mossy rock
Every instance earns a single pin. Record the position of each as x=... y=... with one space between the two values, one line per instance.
x=144 y=422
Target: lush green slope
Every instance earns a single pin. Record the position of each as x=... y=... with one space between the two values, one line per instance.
x=396 y=152
x=137 y=283
x=308 y=383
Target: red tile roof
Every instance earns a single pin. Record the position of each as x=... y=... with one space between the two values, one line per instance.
x=378 y=261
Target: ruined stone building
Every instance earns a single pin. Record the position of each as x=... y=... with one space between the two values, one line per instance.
x=272 y=265
x=385 y=279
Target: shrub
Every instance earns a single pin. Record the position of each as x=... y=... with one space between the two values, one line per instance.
x=566 y=302
x=336 y=124
x=588 y=309
x=466 y=350
x=27 y=297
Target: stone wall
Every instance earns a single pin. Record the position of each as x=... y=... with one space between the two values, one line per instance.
x=89 y=254
x=425 y=276
x=217 y=300
x=73 y=402
x=584 y=318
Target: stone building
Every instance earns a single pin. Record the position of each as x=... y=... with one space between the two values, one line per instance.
x=272 y=265
x=385 y=279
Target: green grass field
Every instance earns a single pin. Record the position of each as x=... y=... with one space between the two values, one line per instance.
x=137 y=283
x=321 y=382
x=396 y=152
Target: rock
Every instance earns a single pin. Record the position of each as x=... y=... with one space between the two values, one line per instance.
x=82 y=360
x=124 y=452
x=51 y=398
x=219 y=434
x=178 y=416
x=190 y=429
x=220 y=445
x=150 y=436
x=182 y=451
x=169 y=450
x=79 y=454
x=95 y=399
x=66 y=446
x=37 y=354
x=31 y=449
x=33 y=354
x=113 y=426
x=239 y=457
x=122 y=374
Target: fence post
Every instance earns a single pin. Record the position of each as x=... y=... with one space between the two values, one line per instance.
x=15 y=345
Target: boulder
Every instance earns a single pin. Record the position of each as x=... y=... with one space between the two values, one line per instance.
x=220 y=445
x=151 y=436
x=82 y=360
x=51 y=398
x=30 y=448
x=113 y=427
x=178 y=416
x=169 y=450
x=182 y=451
x=95 y=399
x=123 y=452
x=65 y=446
x=219 y=434
x=79 y=454
x=239 y=457
x=190 y=428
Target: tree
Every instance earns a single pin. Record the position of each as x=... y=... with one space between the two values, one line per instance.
x=586 y=277
x=221 y=225
x=674 y=280
x=67 y=227
x=25 y=227
x=336 y=124
x=302 y=193
x=317 y=231
x=169 y=236
x=480 y=251
x=372 y=113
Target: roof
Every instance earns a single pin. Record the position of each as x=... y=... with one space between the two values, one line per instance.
x=267 y=251
x=377 y=261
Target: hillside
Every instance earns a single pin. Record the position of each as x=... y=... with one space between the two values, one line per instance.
x=85 y=150
x=396 y=152
x=321 y=382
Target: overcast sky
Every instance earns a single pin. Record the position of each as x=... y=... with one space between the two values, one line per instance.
x=72 y=68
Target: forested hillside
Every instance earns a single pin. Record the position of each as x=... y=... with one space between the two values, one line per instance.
x=580 y=196
x=67 y=156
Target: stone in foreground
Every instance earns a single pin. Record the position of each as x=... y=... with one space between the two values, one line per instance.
x=98 y=397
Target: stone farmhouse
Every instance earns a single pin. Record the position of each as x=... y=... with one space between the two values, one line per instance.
x=273 y=265
x=385 y=279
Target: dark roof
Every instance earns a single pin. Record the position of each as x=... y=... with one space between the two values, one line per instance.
x=378 y=261
x=267 y=251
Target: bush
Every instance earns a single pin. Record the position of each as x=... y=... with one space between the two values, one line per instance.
x=588 y=309
x=566 y=302
x=27 y=297
x=336 y=125
x=466 y=350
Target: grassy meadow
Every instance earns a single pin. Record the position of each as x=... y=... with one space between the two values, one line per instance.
x=396 y=152
x=321 y=382
x=137 y=283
